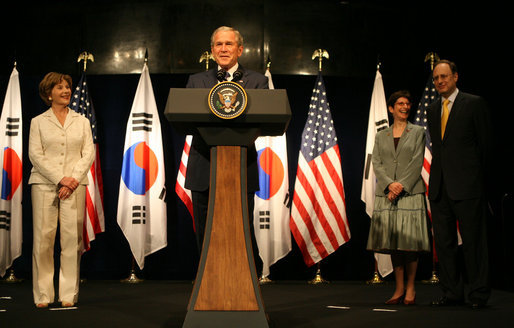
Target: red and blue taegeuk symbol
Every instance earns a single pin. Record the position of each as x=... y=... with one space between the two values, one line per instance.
x=11 y=173
x=140 y=168
x=271 y=173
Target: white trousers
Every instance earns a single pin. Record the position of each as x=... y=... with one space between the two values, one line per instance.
x=47 y=211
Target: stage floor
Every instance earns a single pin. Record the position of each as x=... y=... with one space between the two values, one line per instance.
x=158 y=303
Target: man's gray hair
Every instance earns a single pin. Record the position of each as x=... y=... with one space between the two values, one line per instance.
x=239 y=37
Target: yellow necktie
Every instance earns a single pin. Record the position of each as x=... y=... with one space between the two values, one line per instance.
x=444 y=117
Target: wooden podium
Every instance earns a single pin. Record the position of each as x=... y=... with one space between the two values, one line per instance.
x=226 y=292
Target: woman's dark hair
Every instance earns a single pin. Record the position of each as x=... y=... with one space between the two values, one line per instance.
x=47 y=84
x=398 y=94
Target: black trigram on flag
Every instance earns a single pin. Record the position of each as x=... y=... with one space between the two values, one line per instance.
x=12 y=126
x=5 y=220
x=264 y=219
x=142 y=122
x=138 y=214
x=382 y=124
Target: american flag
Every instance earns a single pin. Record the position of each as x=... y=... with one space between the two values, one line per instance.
x=183 y=193
x=428 y=96
x=318 y=215
x=94 y=221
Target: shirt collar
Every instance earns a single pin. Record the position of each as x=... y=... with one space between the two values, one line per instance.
x=232 y=69
x=452 y=97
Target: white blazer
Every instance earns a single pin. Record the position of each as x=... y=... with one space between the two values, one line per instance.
x=57 y=151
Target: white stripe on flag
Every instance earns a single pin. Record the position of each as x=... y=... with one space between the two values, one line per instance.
x=183 y=193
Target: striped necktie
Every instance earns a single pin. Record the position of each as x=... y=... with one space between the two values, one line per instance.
x=444 y=117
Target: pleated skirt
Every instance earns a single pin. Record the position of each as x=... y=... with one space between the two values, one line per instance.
x=400 y=226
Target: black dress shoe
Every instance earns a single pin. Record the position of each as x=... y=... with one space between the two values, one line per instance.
x=445 y=301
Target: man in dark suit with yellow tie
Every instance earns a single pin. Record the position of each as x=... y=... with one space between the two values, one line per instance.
x=460 y=127
x=226 y=48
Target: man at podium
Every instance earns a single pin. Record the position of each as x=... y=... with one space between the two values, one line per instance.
x=226 y=48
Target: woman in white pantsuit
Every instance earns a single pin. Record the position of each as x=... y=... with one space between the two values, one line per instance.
x=61 y=152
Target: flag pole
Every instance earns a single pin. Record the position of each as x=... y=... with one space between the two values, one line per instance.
x=319 y=53
x=434 y=279
x=207 y=56
x=11 y=278
x=85 y=56
x=263 y=280
x=132 y=278
x=377 y=278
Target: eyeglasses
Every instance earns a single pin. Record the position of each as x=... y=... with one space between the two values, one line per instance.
x=441 y=77
x=402 y=103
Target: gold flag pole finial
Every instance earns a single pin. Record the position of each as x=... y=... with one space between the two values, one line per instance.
x=206 y=56
x=146 y=56
x=433 y=57
x=320 y=53
x=85 y=56
x=268 y=63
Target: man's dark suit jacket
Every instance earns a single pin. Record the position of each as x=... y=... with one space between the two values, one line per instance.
x=461 y=158
x=198 y=164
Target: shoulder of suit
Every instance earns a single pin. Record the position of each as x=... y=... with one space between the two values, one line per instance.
x=201 y=74
x=46 y=113
x=415 y=127
x=250 y=72
x=468 y=96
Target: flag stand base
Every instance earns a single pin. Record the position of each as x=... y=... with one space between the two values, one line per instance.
x=318 y=279
x=265 y=280
x=434 y=279
x=11 y=278
x=375 y=280
x=132 y=278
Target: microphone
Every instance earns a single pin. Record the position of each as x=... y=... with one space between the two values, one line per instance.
x=221 y=75
x=236 y=77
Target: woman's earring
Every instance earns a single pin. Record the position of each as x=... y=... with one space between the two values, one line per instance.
x=50 y=98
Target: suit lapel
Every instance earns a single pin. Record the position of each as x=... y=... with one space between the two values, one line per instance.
x=50 y=116
x=211 y=78
x=70 y=118
x=244 y=78
x=390 y=140
x=403 y=138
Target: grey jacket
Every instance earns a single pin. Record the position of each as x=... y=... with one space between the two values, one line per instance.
x=402 y=165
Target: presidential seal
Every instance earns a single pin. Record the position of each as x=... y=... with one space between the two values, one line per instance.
x=227 y=100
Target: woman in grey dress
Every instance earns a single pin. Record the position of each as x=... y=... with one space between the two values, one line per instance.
x=399 y=226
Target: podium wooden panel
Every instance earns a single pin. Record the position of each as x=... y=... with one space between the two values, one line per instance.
x=226 y=292
x=227 y=284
